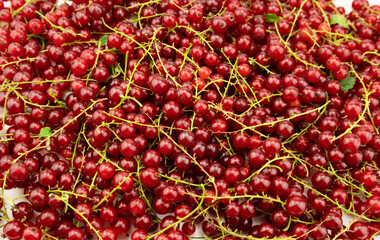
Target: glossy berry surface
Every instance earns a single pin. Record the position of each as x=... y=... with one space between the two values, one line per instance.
x=185 y=119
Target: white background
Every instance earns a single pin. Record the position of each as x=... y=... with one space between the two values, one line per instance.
x=14 y=193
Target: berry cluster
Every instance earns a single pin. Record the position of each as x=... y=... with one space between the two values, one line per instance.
x=149 y=119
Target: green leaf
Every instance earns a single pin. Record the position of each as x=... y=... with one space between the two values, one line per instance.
x=339 y=19
x=272 y=18
x=347 y=83
x=45 y=132
x=103 y=40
